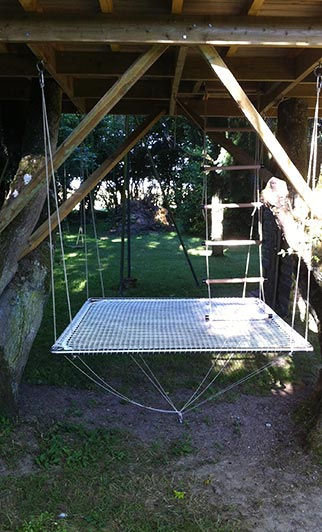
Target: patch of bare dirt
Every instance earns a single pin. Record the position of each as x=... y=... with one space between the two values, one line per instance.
x=248 y=457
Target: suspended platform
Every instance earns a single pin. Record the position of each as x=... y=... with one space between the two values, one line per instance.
x=142 y=325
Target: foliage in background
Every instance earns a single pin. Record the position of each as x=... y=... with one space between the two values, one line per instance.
x=177 y=150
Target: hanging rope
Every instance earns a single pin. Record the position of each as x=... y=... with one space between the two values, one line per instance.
x=312 y=182
x=205 y=199
x=50 y=178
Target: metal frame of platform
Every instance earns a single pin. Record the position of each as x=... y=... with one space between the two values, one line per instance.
x=140 y=325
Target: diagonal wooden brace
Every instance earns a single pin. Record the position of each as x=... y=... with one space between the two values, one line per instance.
x=274 y=147
x=14 y=206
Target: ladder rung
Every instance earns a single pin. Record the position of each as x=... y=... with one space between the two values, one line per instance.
x=218 y=206
x=235 y=167
x=232 y=242
x=235 y=280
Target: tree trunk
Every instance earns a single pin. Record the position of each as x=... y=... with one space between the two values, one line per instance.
x=292 y=129
x=24 y=283
x=290 y=213
x=290 y=221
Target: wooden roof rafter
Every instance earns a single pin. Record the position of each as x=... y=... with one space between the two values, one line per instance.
x=306 y=62
x=46 y=53
x=177 y=6
x=253 y=9
x=181 y=57
x=31 y=6
x=89 y=44
x=106 y=6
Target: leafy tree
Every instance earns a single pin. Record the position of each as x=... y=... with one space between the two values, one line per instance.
x=177 y=150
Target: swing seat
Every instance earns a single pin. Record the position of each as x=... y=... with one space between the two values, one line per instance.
x=139 y=325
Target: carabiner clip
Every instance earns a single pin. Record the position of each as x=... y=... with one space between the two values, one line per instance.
x=41 y=71
x=318 y=75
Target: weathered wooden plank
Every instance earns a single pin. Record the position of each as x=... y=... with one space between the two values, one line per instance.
x=42 y=232
x=288 y=168
x=243 y=31
x=14 y=206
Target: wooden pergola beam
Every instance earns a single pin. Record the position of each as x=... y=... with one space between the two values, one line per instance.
x=85 y=64
x=274 y=147
x=87 y=186
x=182 y=54
x=242 y=31
x=255 y=7
x=177 y=6
x=144 y=88
x=12 y=206
x=106 y=6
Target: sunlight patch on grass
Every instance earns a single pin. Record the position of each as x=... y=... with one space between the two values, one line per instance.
x=198 y=252
x=152 y=245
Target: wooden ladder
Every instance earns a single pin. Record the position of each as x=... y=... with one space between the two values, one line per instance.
x=233 y=242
